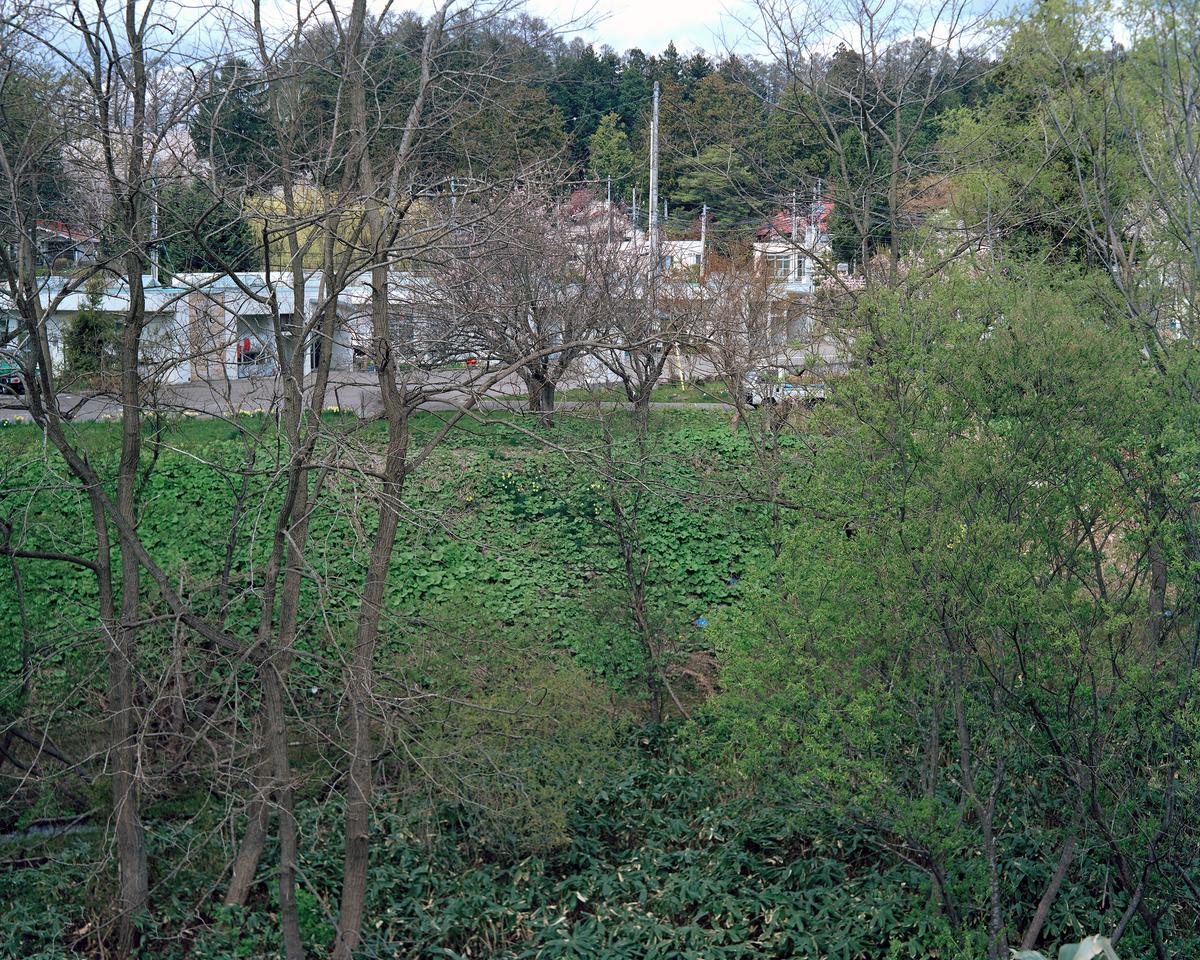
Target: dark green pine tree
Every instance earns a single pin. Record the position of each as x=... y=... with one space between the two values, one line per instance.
x=201 y=232
x=231 y=127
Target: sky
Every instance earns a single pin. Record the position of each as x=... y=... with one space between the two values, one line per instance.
x=648 y=24
x=709 y=25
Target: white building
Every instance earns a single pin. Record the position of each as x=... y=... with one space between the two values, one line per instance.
x=203 y=326
x=787 y=251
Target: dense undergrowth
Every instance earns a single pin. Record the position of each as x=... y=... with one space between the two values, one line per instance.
x=658 y=864
x=657 y=861
x=497 y=527
x=525 y=810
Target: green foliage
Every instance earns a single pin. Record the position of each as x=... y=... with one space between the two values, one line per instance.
x=89 y=342
x=609 y=154
x=656 y=861
x=201 y=232
x=499 y=524
x=951 y=613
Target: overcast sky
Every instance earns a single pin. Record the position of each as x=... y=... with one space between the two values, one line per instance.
x=648 y=24
x=710 y=25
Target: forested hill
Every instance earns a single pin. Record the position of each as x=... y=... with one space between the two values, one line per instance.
x=738 y=134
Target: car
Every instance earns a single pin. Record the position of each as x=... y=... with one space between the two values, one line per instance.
x=12 y=380
x=773 y=386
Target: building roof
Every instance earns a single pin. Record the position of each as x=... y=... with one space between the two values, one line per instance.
x=57 y=228
x=780 y=225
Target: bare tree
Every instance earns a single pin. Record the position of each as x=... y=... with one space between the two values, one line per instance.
x=733 y=331
x=522 y=285
x=865 y=79
x=110 y=57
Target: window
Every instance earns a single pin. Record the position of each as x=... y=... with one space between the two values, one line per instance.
x=780 y=265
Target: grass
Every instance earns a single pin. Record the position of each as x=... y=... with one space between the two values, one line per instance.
x=703 y=391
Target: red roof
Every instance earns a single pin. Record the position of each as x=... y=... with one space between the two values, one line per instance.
x=60 y=229
x=780 y=225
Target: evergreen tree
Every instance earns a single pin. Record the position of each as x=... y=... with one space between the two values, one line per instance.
x=231 y=126
x=88 y=343
x=201 y=232
x=718 y=177
x=609 y=153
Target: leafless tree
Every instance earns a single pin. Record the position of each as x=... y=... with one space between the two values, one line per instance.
x=864 y=79
x=523 y=284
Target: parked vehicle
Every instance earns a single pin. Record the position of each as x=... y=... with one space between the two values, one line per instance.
x=772 y=386
x=12 y=380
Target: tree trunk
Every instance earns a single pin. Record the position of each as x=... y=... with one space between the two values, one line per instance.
x=133 y=888
x=360 y=692
x=641 y=411
x=281 y=774
x=541 y=398
x=1158 y=591
x=272 y=659
x=127 y=818
x=1029 y=941
x=358 y=799
x=245 y=864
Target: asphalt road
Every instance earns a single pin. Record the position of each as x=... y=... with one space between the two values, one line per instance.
x=356 y=392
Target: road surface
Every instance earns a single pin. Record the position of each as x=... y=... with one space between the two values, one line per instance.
x=354 y=392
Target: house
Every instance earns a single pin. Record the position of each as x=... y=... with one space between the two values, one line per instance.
x=787 y=249
x=58 y=243
x=682 y=256
x=62 y=301
x=787 y=246
x=202 y=326
x=228 y=331
x=676 y=258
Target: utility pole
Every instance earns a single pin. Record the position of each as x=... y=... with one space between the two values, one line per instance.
x=610 y=212
x=703 y=237
x=654 y=184
x=810 y=234
x=795 y=227
x=153 y=227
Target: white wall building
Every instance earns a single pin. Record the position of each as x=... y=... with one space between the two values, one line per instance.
x=787 y=251
x=202 y=326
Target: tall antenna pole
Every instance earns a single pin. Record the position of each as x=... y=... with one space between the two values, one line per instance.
x=810 y=233
x=703 y=236
x=654 y=183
